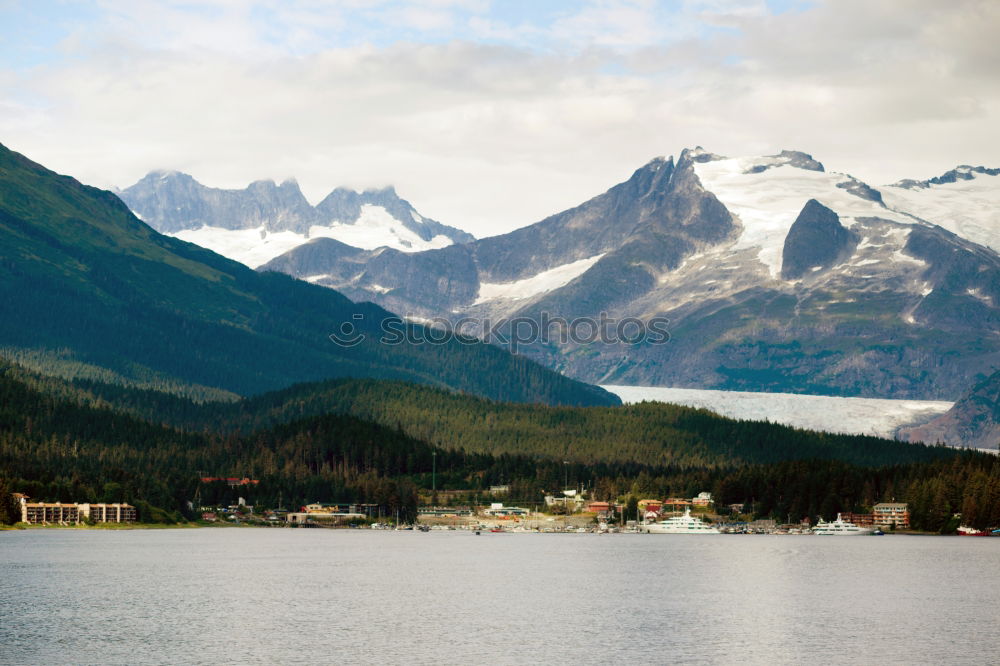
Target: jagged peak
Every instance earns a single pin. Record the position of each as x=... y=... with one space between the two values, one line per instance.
x=699 y=154
x=166 y=174
x=792 y=158
x=961 y=172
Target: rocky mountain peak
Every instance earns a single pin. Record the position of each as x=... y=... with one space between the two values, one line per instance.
x=816 y=241
x=961 y=172
x=698 y=154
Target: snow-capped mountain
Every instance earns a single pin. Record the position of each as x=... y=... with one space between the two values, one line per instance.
x=776 y=275
x=266 y=220
x=965 y=201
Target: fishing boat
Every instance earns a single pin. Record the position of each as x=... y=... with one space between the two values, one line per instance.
x=841 y=527
x=686 y=524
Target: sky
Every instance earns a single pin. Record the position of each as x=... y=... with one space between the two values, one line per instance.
x=492 y=114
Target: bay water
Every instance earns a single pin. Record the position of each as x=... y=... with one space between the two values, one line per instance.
x=315 y=596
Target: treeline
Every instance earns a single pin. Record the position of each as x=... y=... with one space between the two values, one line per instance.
x=66 y=442
x=654 y=434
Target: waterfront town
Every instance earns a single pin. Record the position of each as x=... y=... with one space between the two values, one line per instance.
x=567 y=511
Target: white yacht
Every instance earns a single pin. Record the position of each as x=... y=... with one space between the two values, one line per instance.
x=686 y=524
x=841 y=527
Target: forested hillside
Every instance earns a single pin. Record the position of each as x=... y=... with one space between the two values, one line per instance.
x=88 y=290
x=63 y=442
x=648 y=433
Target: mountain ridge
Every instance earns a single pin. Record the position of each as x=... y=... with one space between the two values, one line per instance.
x=700 y=241
x=85 y=284
x=239 y=223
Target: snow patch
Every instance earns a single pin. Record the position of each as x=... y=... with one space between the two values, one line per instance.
x=968 y=208
x=252 y=247
x=374 y=228
x=536 y=284
x=856 y=416
x=768 y=202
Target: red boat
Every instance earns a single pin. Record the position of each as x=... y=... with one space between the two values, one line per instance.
x=971 y=531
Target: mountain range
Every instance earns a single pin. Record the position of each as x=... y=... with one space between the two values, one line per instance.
x=88 y=290
x=774 y=273
x=265 y=219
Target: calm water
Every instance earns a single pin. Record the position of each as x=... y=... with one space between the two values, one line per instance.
x=333 y=597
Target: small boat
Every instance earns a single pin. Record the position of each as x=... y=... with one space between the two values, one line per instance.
x=965 y=530
x=841 y=527
x=686 y=524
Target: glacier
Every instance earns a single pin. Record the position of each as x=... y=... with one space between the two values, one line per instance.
x=851 y=416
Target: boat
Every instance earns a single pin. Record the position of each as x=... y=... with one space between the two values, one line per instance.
x=964 y=530
x=841 y=527
x=686 y=524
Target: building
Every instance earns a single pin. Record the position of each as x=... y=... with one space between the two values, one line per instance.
x=570 y=499
x=499 y=490
x=859 y=519
x=231 y=481
x=892 y=514
x=40 y=513
x=498 y=510
x=703 y=499
x=325 y=517
x=445 y=511
x=651 y=505
x=599 y=507
x=109 y=513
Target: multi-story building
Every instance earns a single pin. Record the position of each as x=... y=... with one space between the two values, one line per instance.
x=109 y=513
x=38 y=513
x=45 y=512
x=859 y=519
x=892 y=513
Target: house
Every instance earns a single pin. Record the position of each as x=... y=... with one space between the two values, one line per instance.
x=570 y=500
x=703 y=499
x=599 y=507
x=676 y=504
x=651 y=505
x=892 y=514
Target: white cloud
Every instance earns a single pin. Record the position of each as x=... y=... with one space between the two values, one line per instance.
x=494 y=135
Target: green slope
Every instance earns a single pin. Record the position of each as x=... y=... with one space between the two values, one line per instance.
x=65 y=442
x=88 y=290
x=654 y=434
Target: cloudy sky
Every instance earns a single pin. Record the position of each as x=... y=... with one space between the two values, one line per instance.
x=489 y=115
